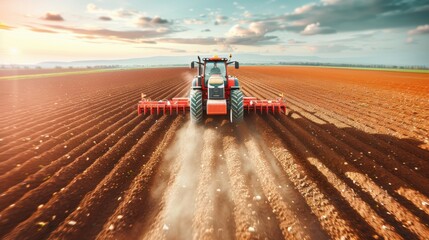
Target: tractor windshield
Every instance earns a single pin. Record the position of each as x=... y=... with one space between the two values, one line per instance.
x=215 y=67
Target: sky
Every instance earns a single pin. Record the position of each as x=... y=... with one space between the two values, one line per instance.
x=374 y=31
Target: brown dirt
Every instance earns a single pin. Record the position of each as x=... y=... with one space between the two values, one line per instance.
x=351 y=160
x=13 y=72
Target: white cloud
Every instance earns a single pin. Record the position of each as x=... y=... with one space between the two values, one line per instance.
x=424 y=29
x=254 y=29
x=193 y=21
x=304 y=8
x=247 y=14
x=315 y=28
x=330 y=2
x=91 y=7
x=121 y=12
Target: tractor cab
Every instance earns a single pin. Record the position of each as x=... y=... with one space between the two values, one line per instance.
x=214 y=69
x=215 y=77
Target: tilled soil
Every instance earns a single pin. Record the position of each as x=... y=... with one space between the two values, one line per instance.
x=349 y=161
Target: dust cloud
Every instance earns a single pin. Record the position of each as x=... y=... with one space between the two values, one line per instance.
x=185 y=156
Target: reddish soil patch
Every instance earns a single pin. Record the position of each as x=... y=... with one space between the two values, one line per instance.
x=349 y=162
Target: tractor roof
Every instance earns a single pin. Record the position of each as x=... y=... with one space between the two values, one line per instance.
x=215 y=58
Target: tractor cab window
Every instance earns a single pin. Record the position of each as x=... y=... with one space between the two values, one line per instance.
x=213 y=68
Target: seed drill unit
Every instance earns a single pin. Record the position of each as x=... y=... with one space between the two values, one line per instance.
x=213 y=92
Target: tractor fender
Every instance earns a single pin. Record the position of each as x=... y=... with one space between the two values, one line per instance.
x=196 y=82
x=233 y=83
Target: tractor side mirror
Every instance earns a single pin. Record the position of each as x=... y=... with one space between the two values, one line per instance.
x=237 y=66
x=192 y=65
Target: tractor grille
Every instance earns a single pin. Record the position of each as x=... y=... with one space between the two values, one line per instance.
x=216 y=93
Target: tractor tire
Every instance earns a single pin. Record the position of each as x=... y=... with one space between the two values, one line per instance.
x=236 y=110
x=196 y=99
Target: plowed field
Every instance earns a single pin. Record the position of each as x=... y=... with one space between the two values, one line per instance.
x=351 y=161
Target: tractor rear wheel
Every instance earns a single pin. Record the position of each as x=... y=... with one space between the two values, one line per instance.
x=236 y=110
x=196 y=99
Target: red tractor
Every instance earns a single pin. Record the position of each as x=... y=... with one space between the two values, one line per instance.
x=213 y=92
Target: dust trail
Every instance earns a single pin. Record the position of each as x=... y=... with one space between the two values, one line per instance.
x=175 y=220
x=187 y=77
x=203 y=221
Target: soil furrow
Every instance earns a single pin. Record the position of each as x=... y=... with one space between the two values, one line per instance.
x=361 y=181
x=333 y=187
x=290 y=223
x=68 y=181
x=33 y=181
x=130 y=207
x=93 y=211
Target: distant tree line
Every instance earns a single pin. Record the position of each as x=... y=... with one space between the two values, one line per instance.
x=348 y=65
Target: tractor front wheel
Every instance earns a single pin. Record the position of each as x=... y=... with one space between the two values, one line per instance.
x=196 y=100
x=236 y=110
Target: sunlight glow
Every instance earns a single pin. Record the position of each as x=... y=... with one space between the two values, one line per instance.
x=14 y=51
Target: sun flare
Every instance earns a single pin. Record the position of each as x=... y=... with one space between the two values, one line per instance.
x=14 y=51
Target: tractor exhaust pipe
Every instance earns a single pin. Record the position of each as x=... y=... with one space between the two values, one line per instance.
x=199 y=66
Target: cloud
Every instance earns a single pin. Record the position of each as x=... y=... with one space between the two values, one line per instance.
x=121 y=12
x=294 y=42
x=247 y=14
x=304 y=9
x=197 y=41
x=105 y=18
x=146 y=22
x=125 y=13
x=353 y=15
x=254 y=34
x=206 y=30
x=53 y=17
x=238 y=6
x=127 y=36
x=42 y=30
x=315 y=28
x=225 y=41
x=193 y=21
x=5 y=27
x=91 y=7
x=220 y=20
x=173 y=50
x=148 y=41
x=330 y=2
x=423 y=29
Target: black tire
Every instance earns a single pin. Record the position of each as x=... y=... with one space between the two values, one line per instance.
x=196 y=99
x=236 y=111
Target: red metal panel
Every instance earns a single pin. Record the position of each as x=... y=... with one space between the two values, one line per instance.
x=231 y=82
x=216 y=107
